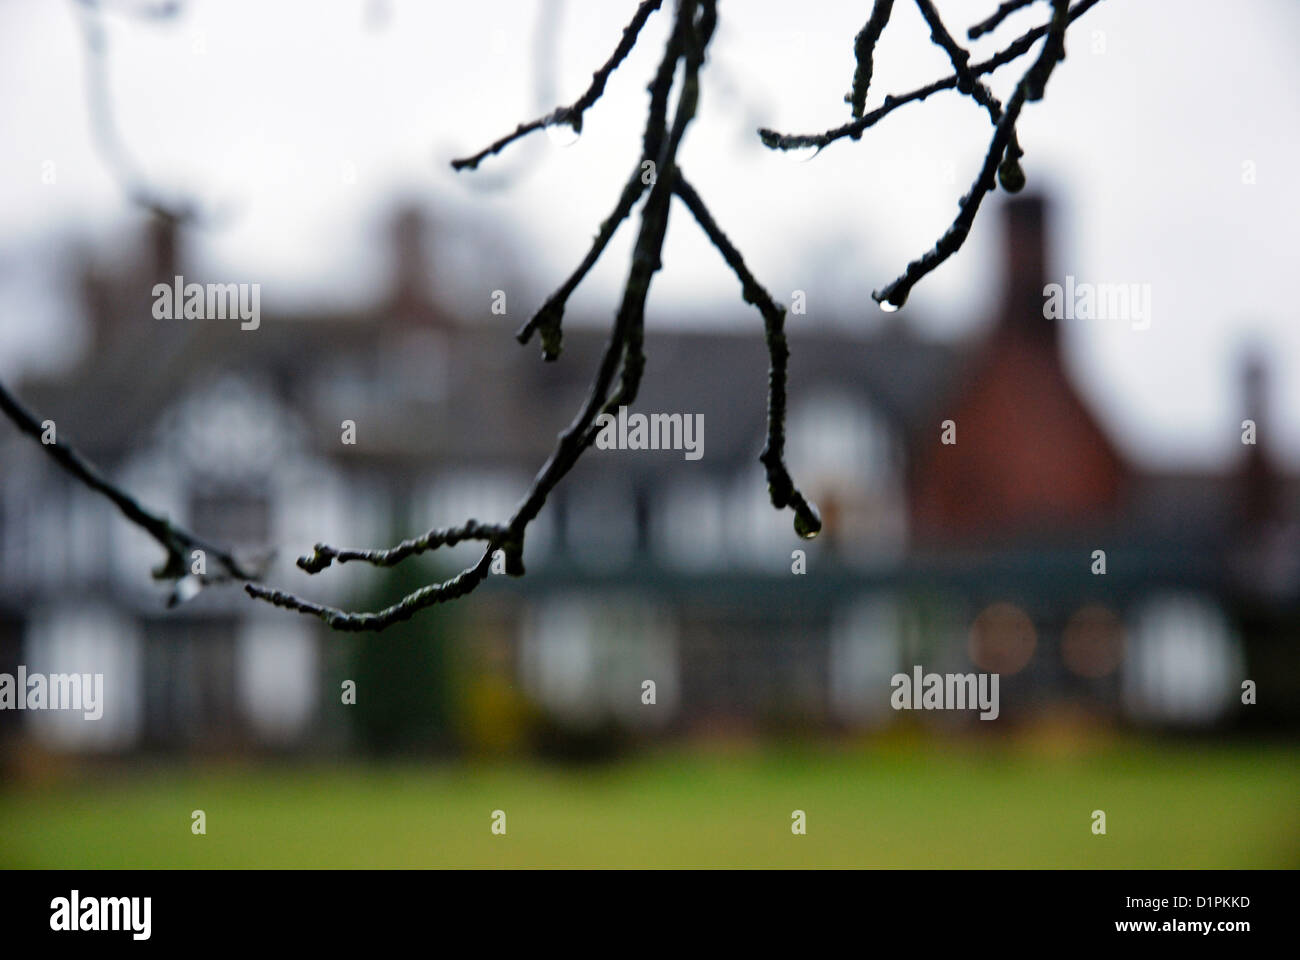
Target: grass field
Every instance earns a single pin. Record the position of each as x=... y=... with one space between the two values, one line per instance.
x=910 y=805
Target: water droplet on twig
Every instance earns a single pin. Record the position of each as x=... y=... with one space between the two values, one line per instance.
x=807 y=522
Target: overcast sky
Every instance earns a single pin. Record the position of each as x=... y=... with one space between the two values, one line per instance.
x=308 y=119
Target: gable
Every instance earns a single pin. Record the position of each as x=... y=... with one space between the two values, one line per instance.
x=1028 y=454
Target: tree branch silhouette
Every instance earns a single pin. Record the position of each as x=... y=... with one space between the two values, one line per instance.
x=776 y=140
x=654 y=181
x=1030 y=87
x=780 y=486
x=572 y=114
x=174 y=539
x=623 y=355
x=864 y=48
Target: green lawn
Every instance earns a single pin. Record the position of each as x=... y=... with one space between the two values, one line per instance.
x=903 y=806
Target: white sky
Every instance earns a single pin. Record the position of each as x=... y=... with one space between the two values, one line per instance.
x=310 y=118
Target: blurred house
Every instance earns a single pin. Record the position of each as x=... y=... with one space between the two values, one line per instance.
x=976 y=554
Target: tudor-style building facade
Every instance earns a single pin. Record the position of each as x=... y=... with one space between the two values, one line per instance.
x=643 y=565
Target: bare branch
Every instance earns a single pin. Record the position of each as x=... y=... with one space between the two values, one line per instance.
x=864 y=48
x=687 y=42
x=958 y=55
x=176 y=540
x=786 y=141
x=323 y=555
x=1030 y=87
x=457 y=586
x=693 y=26
x=549 y=318
x=572 y=114
x=780 y=486
x=1012 y=176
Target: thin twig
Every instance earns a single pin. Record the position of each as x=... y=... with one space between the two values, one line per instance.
x=788 y=141
x=427 y=596
x=780 y=486
x=1013 y=177
x=648 y=252
x=572 y=114
x=864 y=48
x=1030 y=87
x=958 y=55
x=323 y=555
x=176 y=540
x=548 y=320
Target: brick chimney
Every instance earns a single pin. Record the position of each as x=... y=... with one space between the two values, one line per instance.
x=1025 y=258
x=118 y=300
x=1259 y=481
x=410 y=291
x=162 y=250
